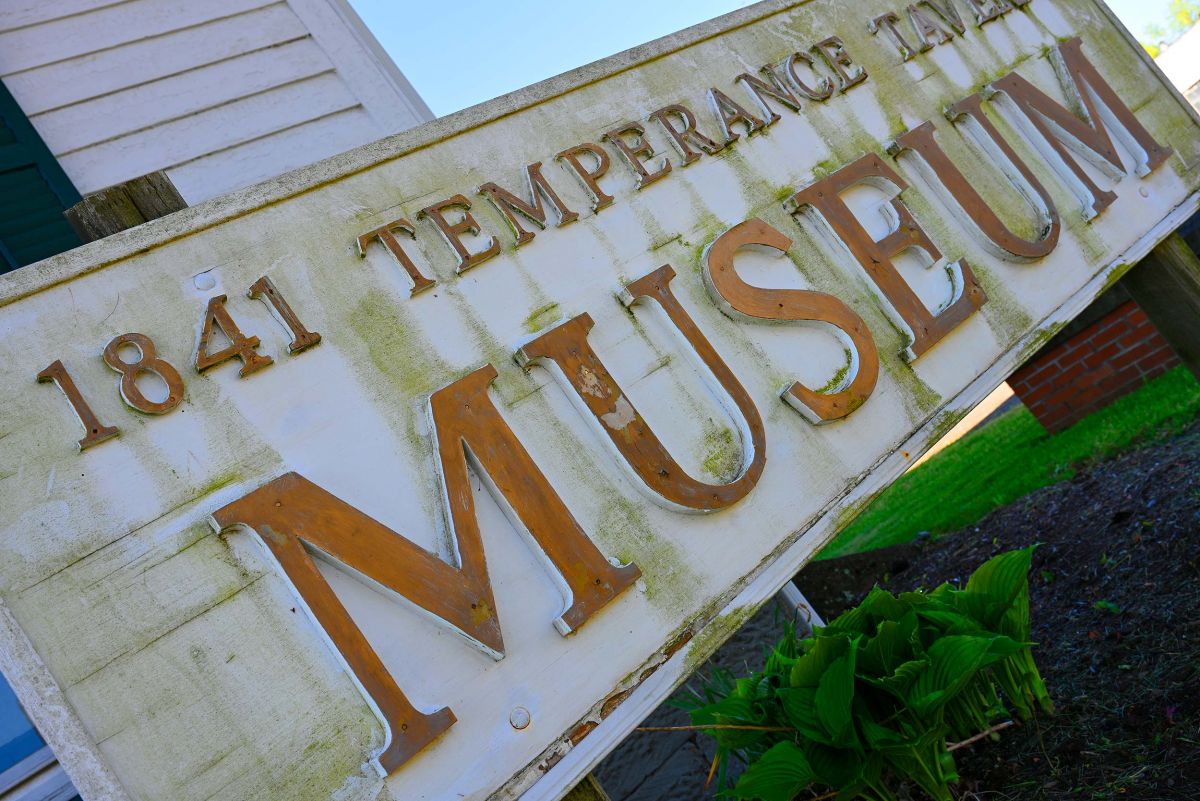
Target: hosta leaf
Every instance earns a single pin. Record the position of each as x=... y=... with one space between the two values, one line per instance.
x=948 y=767
x=953 y=663
x=995 y=585
x=750 y=687
x=834 y=700
x=835 y=767
x=782 y=656
x=800 y=709
x=885 y=606
x=1015 y=619
x=919 y=758
x=952 y=622
x=902 y=679
x=1001 y=648
x=911 y=671
x=943 y=593
x=873 y=778
x=732 y=711
x=885 y=651
x=879 y=737
x=853 y=621
x=916 y=644
x=809 y=668
x=729 y=711
x=778 y=775
x=923 y=600
x=1002 y=575
x=1018 y=676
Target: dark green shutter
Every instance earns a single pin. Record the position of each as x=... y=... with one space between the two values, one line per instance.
x=34 y=193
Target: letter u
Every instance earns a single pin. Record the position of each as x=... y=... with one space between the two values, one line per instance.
x=567 y=349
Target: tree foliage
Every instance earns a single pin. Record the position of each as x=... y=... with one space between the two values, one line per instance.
x=1181 y=16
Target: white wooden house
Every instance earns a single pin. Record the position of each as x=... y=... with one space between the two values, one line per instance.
x=220 y=94
x=1181 y=63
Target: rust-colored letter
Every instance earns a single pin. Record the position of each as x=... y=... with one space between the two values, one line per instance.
x=292 y=512
x=909 y=312
x=589 y=178
x=849 y=73
x=302 y=338
x=729 y=114
x=509 y=205
x=453 y=232
x=825 y=87
x=948 y=13
x=636 y=151
x=567 y=347
x=760 y=90
x=683 y=138
x=242 y=347
x=736 y=296
x=887 y=22
x=1054 y=130
x=387 y=236
x=988 y=10
x=94 y=432
x=922 y=140
x=929 y=33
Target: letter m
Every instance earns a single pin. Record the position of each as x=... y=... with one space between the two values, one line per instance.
x=292 y=515
x=1055 y=131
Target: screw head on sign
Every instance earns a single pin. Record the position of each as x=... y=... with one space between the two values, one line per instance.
x=520 y=718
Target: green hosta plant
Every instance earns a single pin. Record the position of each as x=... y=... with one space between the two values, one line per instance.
x=872 y=698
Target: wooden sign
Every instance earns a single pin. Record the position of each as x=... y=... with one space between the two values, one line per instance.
x=428 y=471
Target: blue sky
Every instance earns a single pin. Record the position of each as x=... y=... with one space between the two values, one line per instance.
x=461 y=53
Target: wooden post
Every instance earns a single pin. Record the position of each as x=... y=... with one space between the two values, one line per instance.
x=108 y=211
x=588 y=790
x=1166 y=284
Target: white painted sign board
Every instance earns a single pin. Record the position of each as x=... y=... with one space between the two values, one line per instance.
x=236 y=595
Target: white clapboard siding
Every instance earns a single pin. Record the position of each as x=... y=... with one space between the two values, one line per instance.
x=19 y=13
x=386 y=93
x=75 y=80
x=244 y=120
x=109 y=27
x=121 y=89
x=268 y=156
x=1181 y=61
x=138 y=108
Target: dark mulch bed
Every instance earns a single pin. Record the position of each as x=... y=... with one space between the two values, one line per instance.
x=1115 y=592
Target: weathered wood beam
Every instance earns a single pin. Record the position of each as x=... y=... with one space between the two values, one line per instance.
x=123 y=206
x=1166 y=284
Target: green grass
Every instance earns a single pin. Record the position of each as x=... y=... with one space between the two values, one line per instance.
x=1011 y=457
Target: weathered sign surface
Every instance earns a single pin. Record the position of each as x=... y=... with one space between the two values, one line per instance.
x=427 y=471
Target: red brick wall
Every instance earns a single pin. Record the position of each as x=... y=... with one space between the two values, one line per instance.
x=1110 y=358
